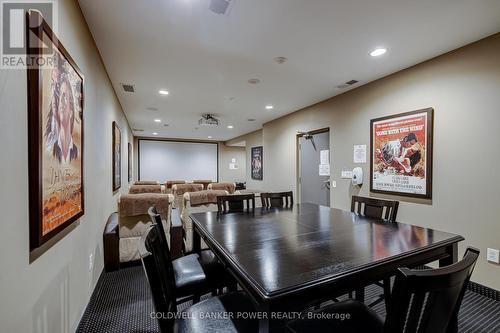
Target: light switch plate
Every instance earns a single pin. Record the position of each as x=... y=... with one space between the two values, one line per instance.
x=493 y=256
x=91 y=262
x=346 y=174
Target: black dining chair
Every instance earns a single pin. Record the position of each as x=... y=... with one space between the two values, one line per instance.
x=277 y=199
x=379 y=209
x=425 y=301
x=190 y=280
x=375 y=208
x=235 y=203
x=216 y=276
x=162 y=281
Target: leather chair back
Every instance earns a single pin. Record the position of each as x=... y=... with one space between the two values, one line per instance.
x=429 y=300
x=160 y=275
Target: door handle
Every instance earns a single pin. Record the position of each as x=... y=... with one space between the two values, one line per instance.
x=326 y=183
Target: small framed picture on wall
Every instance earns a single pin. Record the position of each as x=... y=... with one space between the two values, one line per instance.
x=117 y=156
x=257 y=163
x=401 y=154
x=130 y=159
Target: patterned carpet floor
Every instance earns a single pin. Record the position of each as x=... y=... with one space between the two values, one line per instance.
x=122 y=303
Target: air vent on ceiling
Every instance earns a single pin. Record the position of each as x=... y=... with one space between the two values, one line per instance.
x=208 y=120
x=128 y=88
x=137 y=130
x=347 y=84
x=151 y=108
x=221 y=7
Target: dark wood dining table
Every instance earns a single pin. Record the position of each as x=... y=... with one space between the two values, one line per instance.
x=287 y=259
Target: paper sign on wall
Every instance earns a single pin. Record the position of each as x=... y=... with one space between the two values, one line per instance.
x=233 y=166
x=359 y=153
x=324 y=157
x=233 y=160
x=324 y=169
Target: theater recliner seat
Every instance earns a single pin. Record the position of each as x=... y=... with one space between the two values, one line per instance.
x=125 y=227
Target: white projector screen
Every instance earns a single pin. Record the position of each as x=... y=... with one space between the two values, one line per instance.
x=169 y=160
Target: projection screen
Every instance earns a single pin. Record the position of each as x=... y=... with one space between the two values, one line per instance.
x=169 y=160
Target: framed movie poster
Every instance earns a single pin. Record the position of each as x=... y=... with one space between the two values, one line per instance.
x=55 y=126
x=257 y=160
x=129 y=162
x=401 y=154
x=117 y=157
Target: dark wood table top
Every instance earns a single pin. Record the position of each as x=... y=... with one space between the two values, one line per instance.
x=278 y=250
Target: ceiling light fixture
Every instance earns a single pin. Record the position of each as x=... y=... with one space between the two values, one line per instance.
x=209 y=136
x=155 y=133
x=230 y=126
x=163 y=92
x=157 y=120
x=378 y=52
x=269 y=107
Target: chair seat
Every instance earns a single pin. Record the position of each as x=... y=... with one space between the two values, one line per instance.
x=225 y=316
x=333 y=318
x=217 y=275
x=189 y=275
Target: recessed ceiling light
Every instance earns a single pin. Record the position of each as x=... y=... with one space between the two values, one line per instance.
x=230 y=126
x=209 y=136
x=163 y=92
x=378 y=52
x=155 y=133
x=157 y=120
x=269 y=107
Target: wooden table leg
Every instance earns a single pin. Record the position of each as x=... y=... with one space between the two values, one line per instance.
x=270 y=323
x=452 y=257
x=196 y=240
x=360 y=294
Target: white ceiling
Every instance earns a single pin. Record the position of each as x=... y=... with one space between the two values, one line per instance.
x=205 y=60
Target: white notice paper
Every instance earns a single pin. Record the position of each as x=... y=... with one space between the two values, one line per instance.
x=359 y=153
x=233 y=166
x=324 y=157
x=324 y=169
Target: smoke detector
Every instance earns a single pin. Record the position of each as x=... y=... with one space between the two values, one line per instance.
x=280 y=60
x=208 y=119
x=254 y=81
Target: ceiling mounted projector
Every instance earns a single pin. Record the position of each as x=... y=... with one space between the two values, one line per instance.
x=208 y=120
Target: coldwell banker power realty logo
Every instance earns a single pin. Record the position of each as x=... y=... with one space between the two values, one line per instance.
x=14 y=39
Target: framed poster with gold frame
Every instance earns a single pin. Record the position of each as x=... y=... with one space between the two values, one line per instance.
x=55 y=127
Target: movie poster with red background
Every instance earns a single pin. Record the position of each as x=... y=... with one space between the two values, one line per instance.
x=400 y=159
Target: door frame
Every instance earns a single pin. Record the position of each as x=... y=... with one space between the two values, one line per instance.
x=298 y=154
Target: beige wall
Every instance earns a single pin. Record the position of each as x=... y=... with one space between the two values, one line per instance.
x=226 y=154
x=51 y=293
x=253 y=139
x=464 y=89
